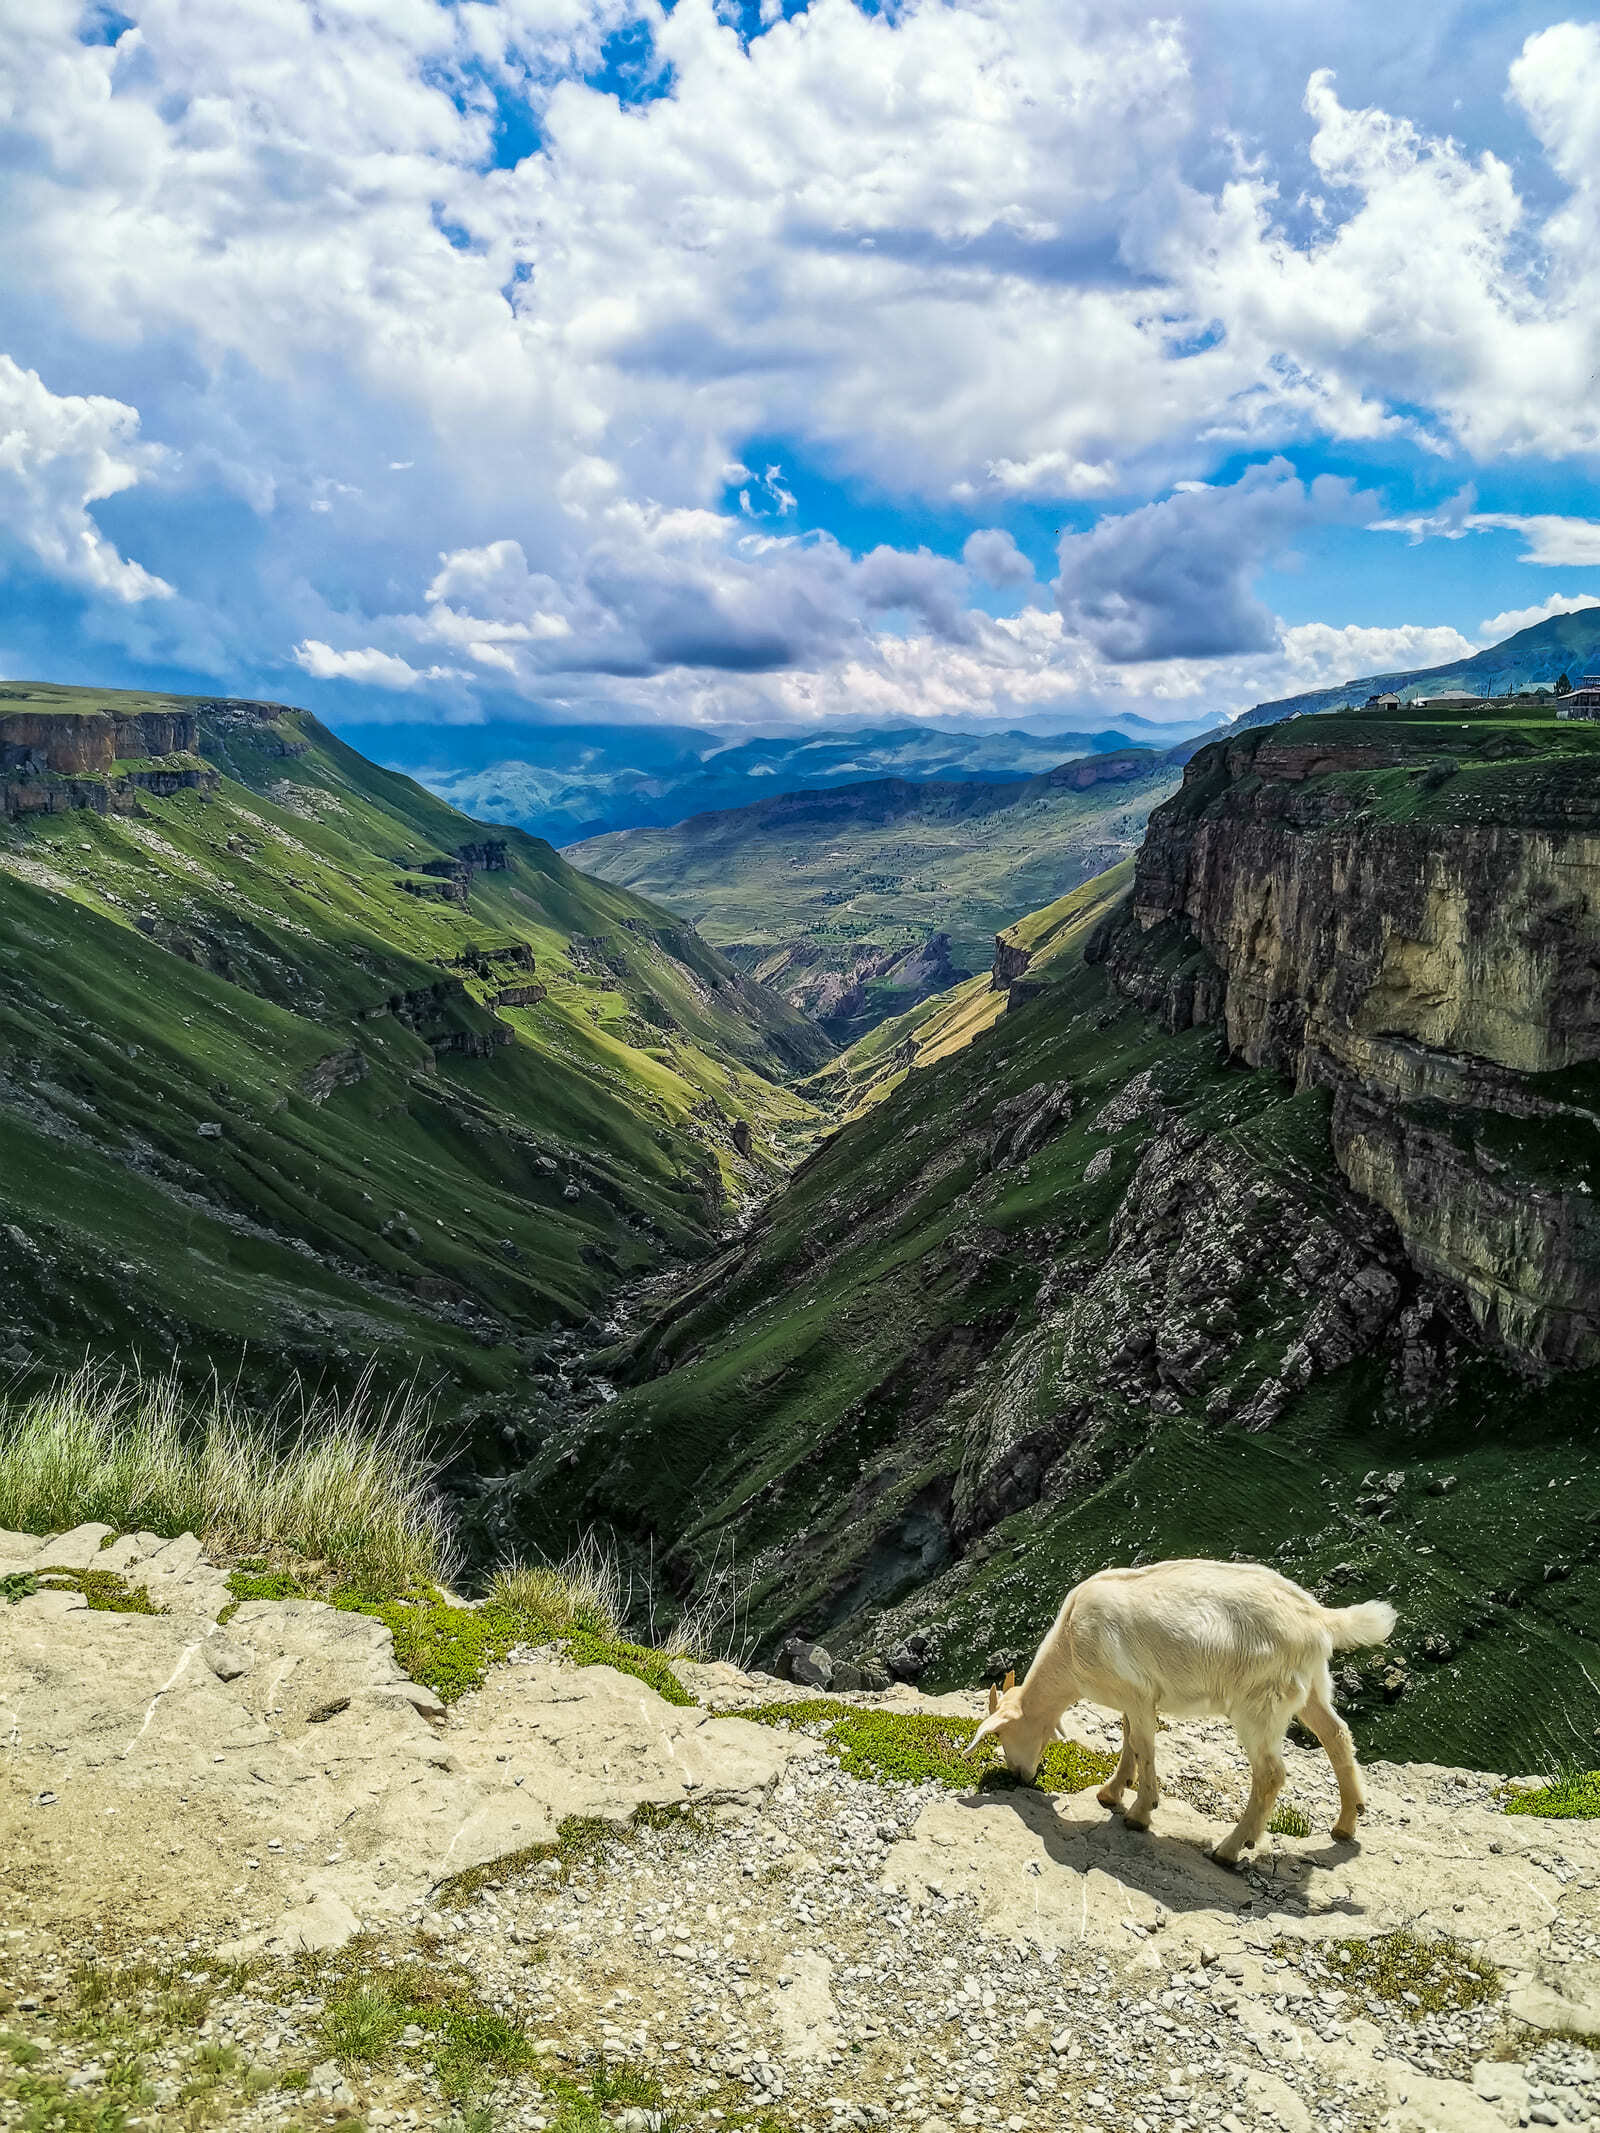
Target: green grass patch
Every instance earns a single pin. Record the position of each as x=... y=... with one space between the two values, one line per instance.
x=105 y=1590
x=1290 y=1822
x=269 y=1585
x=18 y=1585
x=580 y=1841
x=366 y=2012
x=1572 y=1797
x=451 y=1649
x=1415 y=1974
x=592 y=2101
x=910 y=1748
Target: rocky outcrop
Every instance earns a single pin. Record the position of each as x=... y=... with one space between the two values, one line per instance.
x=1169 y=1314
x=517 y=996
x=447 y=878
x=1433 y=961
x=340 y=1070
x=166 y=1732
x=261 y=725
x=1020 y=1124
x=471 y=1043
x=765 y=1914
x=73 y=743
x=439 y=881
x=1010 y=961
x=60 y=762
x=489 y=855
x=423 y=1005
x=494 y=962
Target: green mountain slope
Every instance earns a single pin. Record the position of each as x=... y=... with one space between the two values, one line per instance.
x=860 y=902
x=876 y=1065
x=1093 y=1286
x=299 y=1067
x=1532 y=658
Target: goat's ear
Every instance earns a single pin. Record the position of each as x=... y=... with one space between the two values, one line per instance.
x=992 y=1724
x=994 y=1699
x=1011 y=1677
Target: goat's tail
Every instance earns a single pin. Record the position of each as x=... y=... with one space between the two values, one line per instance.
x=1369 y=1622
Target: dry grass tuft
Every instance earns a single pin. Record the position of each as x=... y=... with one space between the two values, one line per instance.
x=586 y=1591
x=348 y=1482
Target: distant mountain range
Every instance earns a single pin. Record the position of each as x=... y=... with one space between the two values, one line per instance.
x=567 y=783
x=860 y=901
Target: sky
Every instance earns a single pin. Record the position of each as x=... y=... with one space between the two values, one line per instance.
x=749 y=365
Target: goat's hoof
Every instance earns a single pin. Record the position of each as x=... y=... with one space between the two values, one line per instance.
x=1109 y=1797
x=1345 y=1831
x=1229 y=1860
x=1138 y=1822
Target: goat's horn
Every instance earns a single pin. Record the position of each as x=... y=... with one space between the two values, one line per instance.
x=994 y=1697
x=1011 y=1677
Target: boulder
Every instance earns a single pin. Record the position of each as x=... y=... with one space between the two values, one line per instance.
x=807 y=1663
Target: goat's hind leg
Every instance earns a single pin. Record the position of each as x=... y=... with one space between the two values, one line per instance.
x=1261 y=1737
x=1110 y=1793
x=1319 y=1714
x=1142 y=1740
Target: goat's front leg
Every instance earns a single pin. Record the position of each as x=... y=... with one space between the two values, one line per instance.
x=1110 y=1793
x=1142 y=1739
x=1263 y=1744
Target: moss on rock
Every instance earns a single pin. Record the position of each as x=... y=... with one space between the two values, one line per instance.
x=914 y=1748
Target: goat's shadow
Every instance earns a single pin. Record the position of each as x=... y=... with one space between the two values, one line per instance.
x=1175 y=1870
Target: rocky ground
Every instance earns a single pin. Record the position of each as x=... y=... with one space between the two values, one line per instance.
x=255 y=1878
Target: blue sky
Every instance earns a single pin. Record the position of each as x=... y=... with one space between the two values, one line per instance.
x=753 y=366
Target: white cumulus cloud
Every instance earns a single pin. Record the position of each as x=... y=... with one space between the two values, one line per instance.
x=365 y=664
x=1496 y=627
x=60 y=453
x=946 y=263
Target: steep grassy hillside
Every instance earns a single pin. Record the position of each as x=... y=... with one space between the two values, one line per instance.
x=1092 y=1287
x=300 y=1068
x=876 y=1065
x=859 y=903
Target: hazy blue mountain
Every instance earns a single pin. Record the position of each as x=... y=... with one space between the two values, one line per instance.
x=567 y=783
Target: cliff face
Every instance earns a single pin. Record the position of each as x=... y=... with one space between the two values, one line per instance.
x=1409 y=917
x=71 y=743
x=55 y=761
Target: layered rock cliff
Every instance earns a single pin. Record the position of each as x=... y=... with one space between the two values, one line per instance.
x=1408 y=916
x=53 y=761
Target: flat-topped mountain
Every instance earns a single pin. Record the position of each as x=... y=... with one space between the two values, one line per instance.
x=1536 y=657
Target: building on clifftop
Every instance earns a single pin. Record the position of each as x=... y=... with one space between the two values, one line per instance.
x=1584 y=700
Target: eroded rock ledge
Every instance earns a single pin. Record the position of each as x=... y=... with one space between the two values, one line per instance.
x=1427 y=946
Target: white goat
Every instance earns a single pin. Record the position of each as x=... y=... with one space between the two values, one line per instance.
x=1194 y=1640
